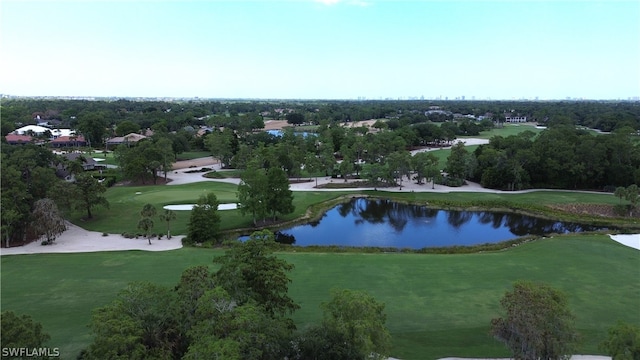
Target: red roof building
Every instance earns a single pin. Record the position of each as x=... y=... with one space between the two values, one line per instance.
x=15 y=139
x=68 y=141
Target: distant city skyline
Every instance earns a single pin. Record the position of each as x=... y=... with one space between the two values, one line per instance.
x=329 y=49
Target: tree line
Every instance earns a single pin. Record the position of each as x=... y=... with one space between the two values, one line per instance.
x=561 y=157
x=35 y=201
x=98 y=119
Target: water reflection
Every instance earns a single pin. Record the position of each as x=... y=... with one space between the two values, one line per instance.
x=384 y=223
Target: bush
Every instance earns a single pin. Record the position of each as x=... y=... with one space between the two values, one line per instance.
x=106 y=180
x=452 y=182
x=622 y=210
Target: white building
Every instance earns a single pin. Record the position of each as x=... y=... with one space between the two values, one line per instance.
x=39 y=130
x=515 y=119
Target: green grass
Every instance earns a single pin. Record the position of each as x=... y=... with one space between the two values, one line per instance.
x=541 y=197
x=443 y=154
x=506 y=130
x=125 y=205
x=190 y=155
x=109 y=158
x=436 y=305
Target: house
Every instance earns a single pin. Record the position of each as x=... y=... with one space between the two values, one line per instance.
x=56 y=133
x=515 y=119
x=15 y=139
x=88 y=163
x=31 y=129
x=39 y=130
x=69 y=141
x=127 y=139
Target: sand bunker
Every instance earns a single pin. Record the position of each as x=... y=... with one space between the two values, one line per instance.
x=231 y=206
x=632 y=240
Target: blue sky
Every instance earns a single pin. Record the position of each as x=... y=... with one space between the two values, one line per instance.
x=331 y=49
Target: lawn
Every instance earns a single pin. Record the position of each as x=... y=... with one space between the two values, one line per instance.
x=436 y=305
x=507 y=130
x=443 y=154
x=190 y=155
x=127 y=201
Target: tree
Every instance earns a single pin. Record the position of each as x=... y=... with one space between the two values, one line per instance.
x=90 y=193
x=148 y=210
x=93 y=126
x=360 y=319
x=146 y=158
x=279 y=196
x=253 y=192
x=139 y=324
x=249 y=271
x=623 y=342
x=537 y=323
x=21 y=331
x=204 y=222
x=295 y=118
x=47 y=220
x=631 y=193
x=166 y=156
x=9 y=218
x=399 y=163
x=620 y=192
x=262 y=193
x=228 y=330
x=168 y=216
x=456 y=162
x=313 y=165
x=425 y=166
x=146 y=223
x=221 y=145
x=321 y=342
x=127 y=127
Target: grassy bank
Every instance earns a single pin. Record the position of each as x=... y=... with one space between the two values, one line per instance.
x=437 y=305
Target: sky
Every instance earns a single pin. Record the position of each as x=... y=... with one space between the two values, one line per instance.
x=329 y=49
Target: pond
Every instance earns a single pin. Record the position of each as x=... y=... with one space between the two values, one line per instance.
x=280 y=133
x=383 y=223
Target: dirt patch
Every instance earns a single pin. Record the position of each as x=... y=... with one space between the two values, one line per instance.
x=367 y=123
x=275 y=124
x=195 y=163
x=603 y=210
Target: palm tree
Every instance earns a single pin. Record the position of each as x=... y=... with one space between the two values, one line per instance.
x=146 y=224
x=148 y=211
x=168 y=216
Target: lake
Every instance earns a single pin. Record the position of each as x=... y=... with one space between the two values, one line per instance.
x=383 y=223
